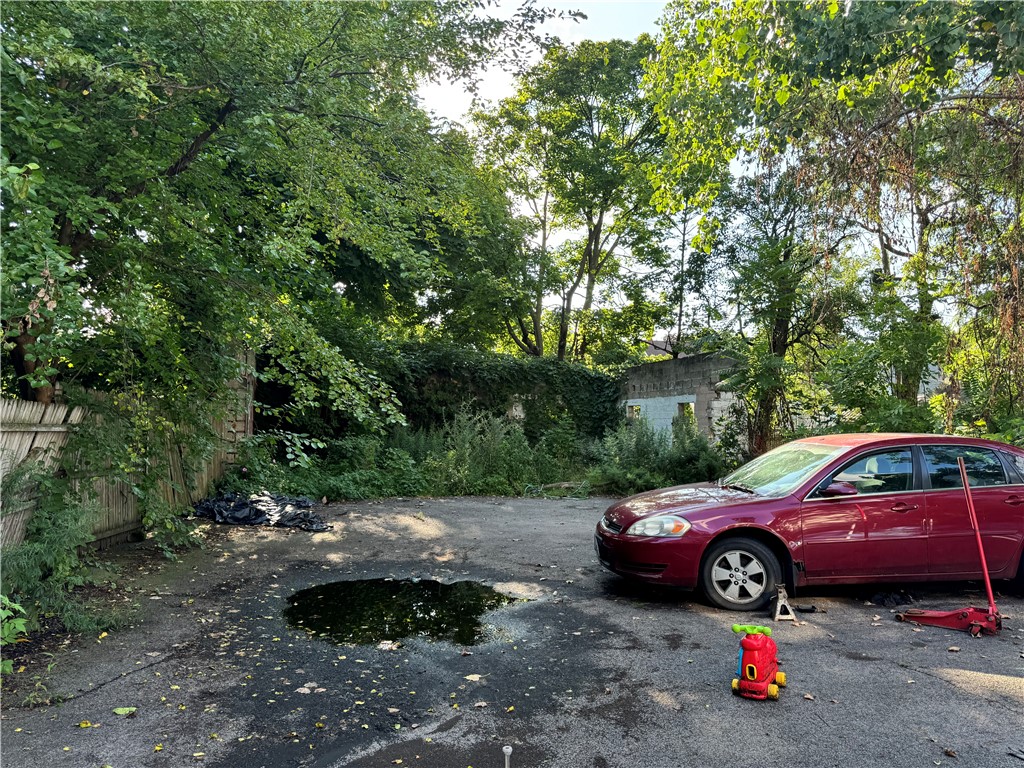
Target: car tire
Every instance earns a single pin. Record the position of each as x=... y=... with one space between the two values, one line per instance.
x=739 y=574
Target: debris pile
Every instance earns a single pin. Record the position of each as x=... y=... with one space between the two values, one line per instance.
x=262 y=509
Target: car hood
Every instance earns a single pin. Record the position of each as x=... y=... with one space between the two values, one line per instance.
x=694 y=502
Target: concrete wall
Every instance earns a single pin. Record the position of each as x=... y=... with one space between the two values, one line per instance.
x=658 y=390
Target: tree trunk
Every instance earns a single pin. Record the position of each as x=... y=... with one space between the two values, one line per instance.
x=23 y=345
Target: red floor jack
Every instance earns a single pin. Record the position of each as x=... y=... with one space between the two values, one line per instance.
x=974 y=620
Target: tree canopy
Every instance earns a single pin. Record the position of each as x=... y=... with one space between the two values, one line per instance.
x=572 y=146
x=173 y=197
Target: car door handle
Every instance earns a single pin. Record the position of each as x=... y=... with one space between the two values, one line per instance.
x=903 y=507
x=1014 y=500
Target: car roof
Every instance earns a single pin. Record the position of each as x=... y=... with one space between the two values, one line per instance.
x=856 y=440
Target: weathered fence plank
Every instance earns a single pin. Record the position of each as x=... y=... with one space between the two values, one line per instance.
x=29 y=432
x=34 y=431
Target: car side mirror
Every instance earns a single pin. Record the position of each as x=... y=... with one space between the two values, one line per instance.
x=839 y=488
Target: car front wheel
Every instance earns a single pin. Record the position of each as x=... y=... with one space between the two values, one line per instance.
x=739 y=574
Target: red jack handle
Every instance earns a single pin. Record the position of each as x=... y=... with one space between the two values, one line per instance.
x=977 y=533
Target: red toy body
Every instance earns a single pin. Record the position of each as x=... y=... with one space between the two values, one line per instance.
x=758 y=675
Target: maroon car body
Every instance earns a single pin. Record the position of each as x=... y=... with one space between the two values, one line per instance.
x=837 y=509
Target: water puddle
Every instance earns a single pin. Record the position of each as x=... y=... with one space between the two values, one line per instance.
x=369 y=611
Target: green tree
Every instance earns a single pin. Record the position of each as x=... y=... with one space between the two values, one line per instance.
x=573 y=145
x=182 y=182
x=780 y=267
x=908 y=117
x=175 y=198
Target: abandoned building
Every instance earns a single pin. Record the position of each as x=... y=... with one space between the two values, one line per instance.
x=685 y=387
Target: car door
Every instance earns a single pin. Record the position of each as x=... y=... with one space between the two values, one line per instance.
x=998 y=501
x=879 y=532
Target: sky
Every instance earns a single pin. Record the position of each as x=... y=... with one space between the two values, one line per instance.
x=606 y=20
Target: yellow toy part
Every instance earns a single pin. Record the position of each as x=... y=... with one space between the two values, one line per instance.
x=773 y=692
x=735 y=685
x=780 y=678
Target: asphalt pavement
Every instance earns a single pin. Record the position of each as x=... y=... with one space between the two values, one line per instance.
x=583 y=669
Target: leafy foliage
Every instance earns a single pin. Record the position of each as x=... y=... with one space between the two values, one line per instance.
x=12 y=626
x=471 y=454
x=636 y=457
x=41 y=572
x=902 y=122
x=434 y=381
x=572 y=145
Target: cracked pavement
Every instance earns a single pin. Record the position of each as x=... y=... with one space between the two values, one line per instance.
x=585 y=670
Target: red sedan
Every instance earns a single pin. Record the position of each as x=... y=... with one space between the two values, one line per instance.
x=840 y=509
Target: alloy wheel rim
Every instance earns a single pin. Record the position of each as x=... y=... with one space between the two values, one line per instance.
x=739 y=576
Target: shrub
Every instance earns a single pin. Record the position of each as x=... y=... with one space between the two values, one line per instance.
x=41 y=572
x=12 y=626
x=636 y=457
x=481 y=455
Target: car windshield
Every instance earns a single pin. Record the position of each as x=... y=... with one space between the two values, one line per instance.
x=780 y=471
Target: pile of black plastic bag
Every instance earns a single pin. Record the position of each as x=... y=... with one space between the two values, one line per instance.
x=262 y=509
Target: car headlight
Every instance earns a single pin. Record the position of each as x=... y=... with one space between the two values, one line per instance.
x=669 y=526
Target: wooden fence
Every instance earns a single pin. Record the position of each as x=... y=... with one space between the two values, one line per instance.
x=29 y=432
x=35 y=431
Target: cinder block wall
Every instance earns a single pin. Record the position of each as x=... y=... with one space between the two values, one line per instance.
x=658 y=389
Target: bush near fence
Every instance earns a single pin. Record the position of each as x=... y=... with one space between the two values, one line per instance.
x=32 y=431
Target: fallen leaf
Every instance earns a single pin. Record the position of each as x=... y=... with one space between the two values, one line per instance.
x=85 y=724
x=876 y=617
x=473 y=678
x=809 y=696
x=954 y=649
x=950 y=753
x=158 y=748
x=510 y=709
x=124 y=711
x=480 y=704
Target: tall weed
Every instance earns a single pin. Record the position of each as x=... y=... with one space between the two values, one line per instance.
x=41 y=572
x=636 y=457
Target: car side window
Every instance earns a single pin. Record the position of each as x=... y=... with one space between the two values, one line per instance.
x=888 y=472
x=983 y=466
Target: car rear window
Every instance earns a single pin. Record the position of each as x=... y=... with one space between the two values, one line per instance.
x=983 y=466
x=1017 y=462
